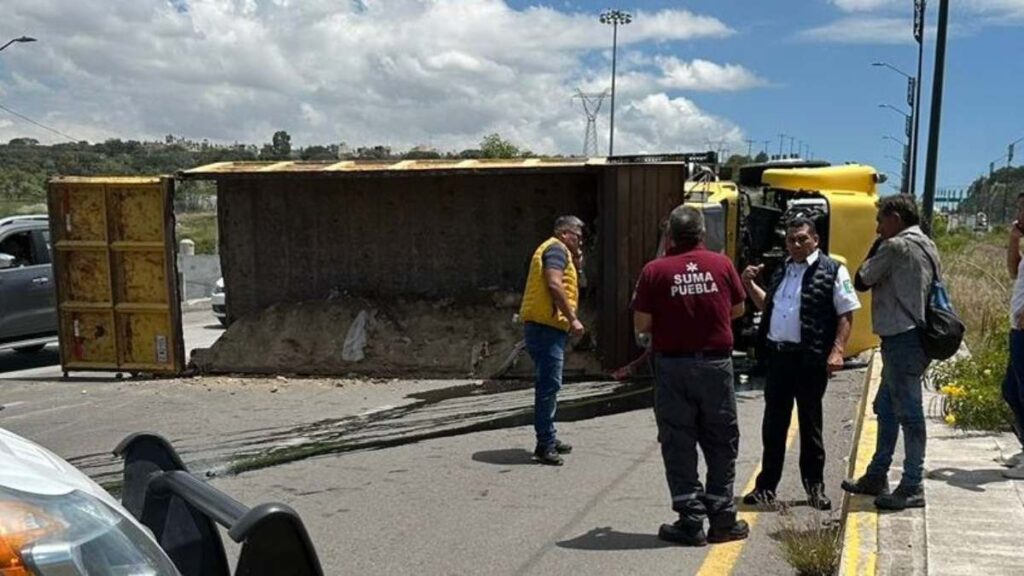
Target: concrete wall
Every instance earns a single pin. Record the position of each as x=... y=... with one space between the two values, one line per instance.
x=200 y=272
x=293 y=238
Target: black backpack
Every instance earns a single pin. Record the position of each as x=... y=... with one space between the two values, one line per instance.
x=942 y=331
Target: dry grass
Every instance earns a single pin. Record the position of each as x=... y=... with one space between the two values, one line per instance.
x=974 y=270
x=810 y=542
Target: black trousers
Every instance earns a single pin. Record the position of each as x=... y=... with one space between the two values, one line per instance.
x=793 y=377
x=695 y=406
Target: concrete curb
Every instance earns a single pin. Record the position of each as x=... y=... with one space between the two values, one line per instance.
x=860 y=517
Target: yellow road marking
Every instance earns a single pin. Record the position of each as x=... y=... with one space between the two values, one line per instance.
x=721 y=559
x=860 y=540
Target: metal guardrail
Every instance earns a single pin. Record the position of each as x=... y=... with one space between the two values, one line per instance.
x=183 y=512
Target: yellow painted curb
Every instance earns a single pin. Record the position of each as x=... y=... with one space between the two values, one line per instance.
x=860 y=518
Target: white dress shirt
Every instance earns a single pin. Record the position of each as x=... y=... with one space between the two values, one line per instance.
x=785 y=320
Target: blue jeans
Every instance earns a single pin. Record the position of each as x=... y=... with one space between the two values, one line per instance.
x=546 y=346
x=898 y=405
x=1013 y=384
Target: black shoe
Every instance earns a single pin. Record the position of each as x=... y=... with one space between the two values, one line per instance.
x=867 y=484
x=902 y=497
x=737 y=531
x=680 y=533
x=562 y=447
x=816 y=497
x=548 y=456
x=760 y=497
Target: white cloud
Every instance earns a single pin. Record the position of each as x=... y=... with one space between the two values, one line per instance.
x=703 y=75
x=658 y=123
x=890 y=21
x=398 y=72
x=862 y=5
x=862 y=30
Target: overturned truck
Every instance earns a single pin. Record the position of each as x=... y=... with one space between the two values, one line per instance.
x=415 y=267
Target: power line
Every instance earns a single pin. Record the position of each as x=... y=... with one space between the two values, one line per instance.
x=43 y=126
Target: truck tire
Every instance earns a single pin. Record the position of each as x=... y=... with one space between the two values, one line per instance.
x=30 y=349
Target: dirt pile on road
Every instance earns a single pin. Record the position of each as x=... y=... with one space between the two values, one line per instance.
x=350 y=335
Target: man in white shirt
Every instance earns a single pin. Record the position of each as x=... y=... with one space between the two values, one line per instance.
x=808 y=314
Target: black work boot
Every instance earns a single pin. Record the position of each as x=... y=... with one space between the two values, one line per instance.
x=562 y=447
x=867 y=484
x=738 y=531
x=816 y=497
x=547 y=455
x=760 y=497
x=902 y=497
x=683 y=533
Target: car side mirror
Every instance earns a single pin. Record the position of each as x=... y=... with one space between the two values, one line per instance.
x=6 y=261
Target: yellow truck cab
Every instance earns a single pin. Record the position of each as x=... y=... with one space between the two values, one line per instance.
x=746 y=221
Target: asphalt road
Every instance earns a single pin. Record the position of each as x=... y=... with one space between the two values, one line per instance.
x=424 y=477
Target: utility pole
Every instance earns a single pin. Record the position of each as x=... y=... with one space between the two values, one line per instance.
x=781 y=138
x=935 y=123
x=766 y=143
x=750 y=148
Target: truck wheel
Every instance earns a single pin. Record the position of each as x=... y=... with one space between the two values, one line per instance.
x=30 y=349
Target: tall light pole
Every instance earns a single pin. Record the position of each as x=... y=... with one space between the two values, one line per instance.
x=919 y=13
x=913 y=97
x=22 y=39
x=939 y=78
x=615 y=18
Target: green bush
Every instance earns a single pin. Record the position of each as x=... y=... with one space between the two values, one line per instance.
x=971 y=388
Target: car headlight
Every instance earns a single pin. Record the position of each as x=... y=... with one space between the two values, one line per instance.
x=73 y=535
x=218 y=288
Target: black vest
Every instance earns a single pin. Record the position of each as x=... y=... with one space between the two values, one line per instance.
x=818 y=320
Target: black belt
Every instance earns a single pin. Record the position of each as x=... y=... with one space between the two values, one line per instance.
x=703 y=354
x=784 y=346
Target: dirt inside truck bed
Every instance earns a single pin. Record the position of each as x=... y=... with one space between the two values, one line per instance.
x=422 y=338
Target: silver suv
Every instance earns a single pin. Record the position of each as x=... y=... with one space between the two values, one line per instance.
x=28 y=310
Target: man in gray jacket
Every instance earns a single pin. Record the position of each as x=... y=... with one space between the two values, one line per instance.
x=898 y=271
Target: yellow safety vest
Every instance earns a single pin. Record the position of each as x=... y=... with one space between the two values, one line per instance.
x=538 y=305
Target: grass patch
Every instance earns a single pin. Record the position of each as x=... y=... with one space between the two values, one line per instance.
x=975 y=273
x=810 y=543
x=201 y=228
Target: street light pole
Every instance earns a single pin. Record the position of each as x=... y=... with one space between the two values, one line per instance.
x=920 y=7
x=913 y=87
x=931 y=168
x=21 y=39
x=614 y=17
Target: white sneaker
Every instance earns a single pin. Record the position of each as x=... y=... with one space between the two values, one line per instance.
x=1015 y=473
x=1012 y=461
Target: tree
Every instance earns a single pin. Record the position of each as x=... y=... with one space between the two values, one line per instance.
x=318 y=153
x=493 y=146
x=761 y=157
x=280 y=147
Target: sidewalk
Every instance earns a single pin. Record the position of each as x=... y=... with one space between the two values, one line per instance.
x=974 y=518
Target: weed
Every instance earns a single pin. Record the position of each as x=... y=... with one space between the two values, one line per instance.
x=810 y=542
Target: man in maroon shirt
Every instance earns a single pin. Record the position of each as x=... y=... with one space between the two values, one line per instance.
x=683 y=310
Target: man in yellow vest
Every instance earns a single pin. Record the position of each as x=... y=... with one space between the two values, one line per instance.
x=548 y=311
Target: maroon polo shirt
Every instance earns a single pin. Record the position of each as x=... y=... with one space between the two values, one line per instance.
x=690 y=296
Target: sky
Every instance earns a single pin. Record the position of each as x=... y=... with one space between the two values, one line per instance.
x=692 y=75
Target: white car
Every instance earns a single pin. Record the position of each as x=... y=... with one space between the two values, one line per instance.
x=218 y=302
x=55 y=520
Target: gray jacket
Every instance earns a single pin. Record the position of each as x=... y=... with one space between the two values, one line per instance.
x=899 y=275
